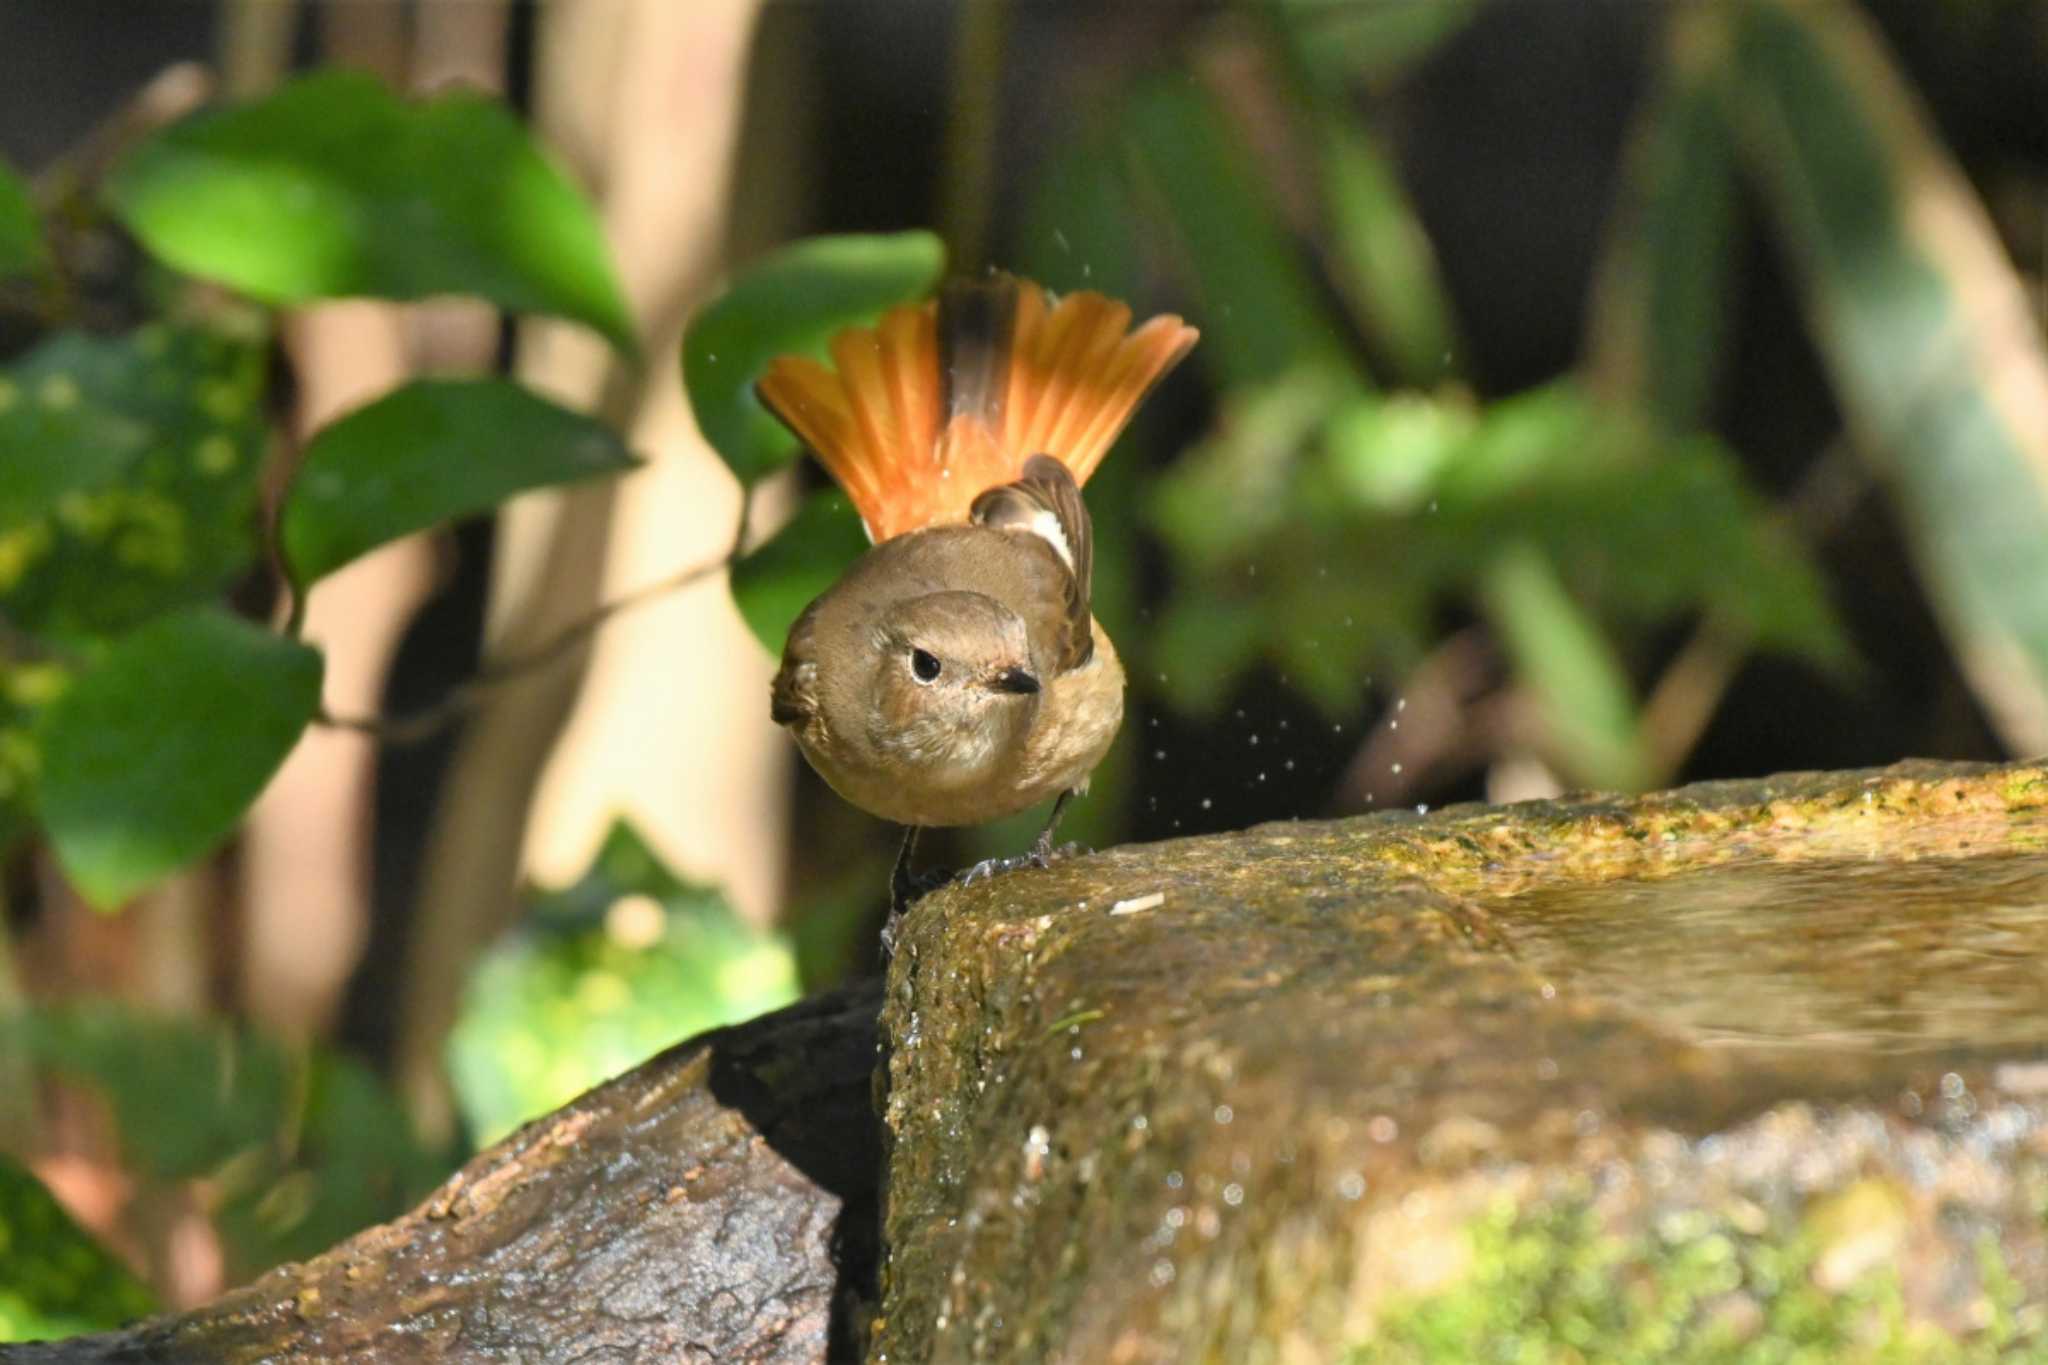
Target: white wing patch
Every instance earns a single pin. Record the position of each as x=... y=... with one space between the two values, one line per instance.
x=1044 y=524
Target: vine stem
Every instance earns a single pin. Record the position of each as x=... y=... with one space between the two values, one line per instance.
x=416 y=726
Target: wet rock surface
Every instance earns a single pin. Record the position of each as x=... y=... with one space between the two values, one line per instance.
x=1745 y=1072
x=715 y=1204
x=1753 y=1065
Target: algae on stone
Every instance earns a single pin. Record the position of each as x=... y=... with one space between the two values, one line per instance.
x=1339 y=1074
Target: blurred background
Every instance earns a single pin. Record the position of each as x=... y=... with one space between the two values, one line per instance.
x=1601 y=395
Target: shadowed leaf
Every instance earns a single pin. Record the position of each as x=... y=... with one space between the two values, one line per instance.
x=791 y=300
x=153 y=754
x=1662 y=301
x=21 y=238
x=430 y=452
x=1923 y=323
x=776 y=582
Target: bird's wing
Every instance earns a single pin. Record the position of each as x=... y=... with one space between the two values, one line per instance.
x=1046 y=502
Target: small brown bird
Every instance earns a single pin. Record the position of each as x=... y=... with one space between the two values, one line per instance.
x=956 y=674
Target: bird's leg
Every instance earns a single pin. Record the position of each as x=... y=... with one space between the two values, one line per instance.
x=907 y=885
x=902 y=890
x=1042 y=852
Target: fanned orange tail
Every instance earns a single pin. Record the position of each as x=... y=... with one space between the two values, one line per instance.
x=920 y=413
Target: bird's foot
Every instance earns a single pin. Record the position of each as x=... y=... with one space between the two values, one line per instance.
x=1042 y=856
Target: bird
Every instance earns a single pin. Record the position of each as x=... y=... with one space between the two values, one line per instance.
x=955 y=673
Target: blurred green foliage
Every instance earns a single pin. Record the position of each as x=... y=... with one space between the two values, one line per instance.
x=55 y=1281
x=294 y=1148
x=21 y=240
x=598 y=977
x=1354 y=515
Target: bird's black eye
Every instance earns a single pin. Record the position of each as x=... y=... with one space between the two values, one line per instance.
x=923 y=666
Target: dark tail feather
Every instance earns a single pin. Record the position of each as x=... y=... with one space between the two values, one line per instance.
x=976 y=320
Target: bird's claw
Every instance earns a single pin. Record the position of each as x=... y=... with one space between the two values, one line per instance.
x=1042 y=857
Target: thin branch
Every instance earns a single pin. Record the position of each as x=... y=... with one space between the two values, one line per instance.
x=425 y=723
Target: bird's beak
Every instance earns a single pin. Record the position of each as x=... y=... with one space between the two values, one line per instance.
x=1016 y=680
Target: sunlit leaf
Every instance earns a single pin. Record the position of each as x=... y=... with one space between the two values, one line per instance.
x=1661 y=312
x=1260 y=311
x=153 y=754
x=791 y=300
x=1923 y=323
x=601 y=975
x=432 y=451
x=145 y=500
x=776 y=582
x=1391 y=455
x=55 y=1280
x=334 y=187
x=21 y=237
x=1561 y=656
x=1382 y=257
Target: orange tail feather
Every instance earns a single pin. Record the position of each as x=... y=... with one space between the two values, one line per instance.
x=877 y=416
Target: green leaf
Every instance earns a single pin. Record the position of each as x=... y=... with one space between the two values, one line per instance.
x=22 y=250
x=429 y=452
x=1375 y=43
x=52 y=445
x=1382 y=257
x=774 y=584
x=1259 y=305
x=1079 y=231
x=25 y=688
x=151 y=757
x=1560 y=654
x=1201 y=645
x=1920 y=318
x=188 y=1095
x=55 y=1280
x=333 y=187
x=791 y=300
x=298 y=1148
x=1662 y=306
x=602 y=974
x=1249 y=465
x=146 y=499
